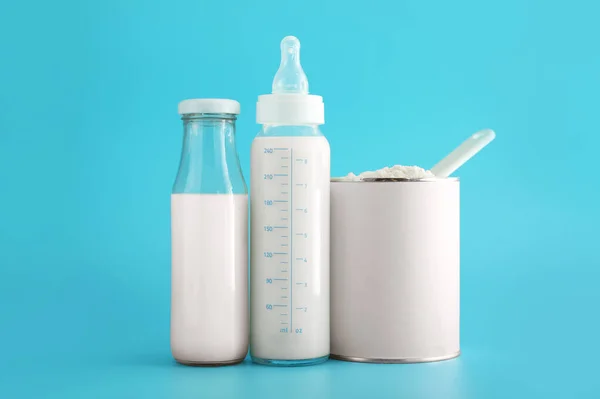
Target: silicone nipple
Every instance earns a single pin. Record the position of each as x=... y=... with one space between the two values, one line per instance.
x=290 y=78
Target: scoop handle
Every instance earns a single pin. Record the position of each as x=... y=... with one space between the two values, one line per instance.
x=463 y=153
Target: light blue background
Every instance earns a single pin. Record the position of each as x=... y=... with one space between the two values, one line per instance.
x=90 y=141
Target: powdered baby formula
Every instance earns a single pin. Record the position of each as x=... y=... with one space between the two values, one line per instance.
x=396 y=171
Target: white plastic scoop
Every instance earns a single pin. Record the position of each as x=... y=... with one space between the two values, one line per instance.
x=463 y=153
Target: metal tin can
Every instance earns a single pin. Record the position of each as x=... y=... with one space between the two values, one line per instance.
x=395 y=270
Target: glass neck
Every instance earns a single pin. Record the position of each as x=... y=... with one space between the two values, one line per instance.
x=209 y=162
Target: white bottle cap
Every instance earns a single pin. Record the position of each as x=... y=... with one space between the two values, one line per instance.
x=209 y=106
x=290 y=103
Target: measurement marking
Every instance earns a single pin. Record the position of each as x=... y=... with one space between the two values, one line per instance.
x=284 y=157
x=284 y=184
x=299 y=258
x=279 y=253
x=291 y=241
x=280 y=149
x=284 y=166
x=284 y=236
x=281 y=306
x=284 y=192
x=284 y=218
x=280 y=227
x=296 y=283
x=284 y=245
x=283 y=314
x=280 y=201
x=280 y=174
x=299 y=234
x=299 y=184
x=283 y=270
x=299 y=308
x=284 y=288
x=300 y=159
x=283 y=322
x=299 y=209
x=284 y=297
x=280 y=279
x=283 y=262
x=283 y=210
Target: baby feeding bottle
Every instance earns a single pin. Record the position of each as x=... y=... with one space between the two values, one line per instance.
x=290 y=222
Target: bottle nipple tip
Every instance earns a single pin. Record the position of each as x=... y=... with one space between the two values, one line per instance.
x=290 y=41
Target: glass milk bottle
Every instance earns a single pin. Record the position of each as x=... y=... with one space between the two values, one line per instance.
x=209 y=228
x=290 y=222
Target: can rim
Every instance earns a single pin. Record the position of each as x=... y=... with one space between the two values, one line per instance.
x=396 y=180
x=406 y=360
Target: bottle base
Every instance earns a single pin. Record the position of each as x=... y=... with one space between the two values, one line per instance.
x=290 y=363
x=209 y=364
